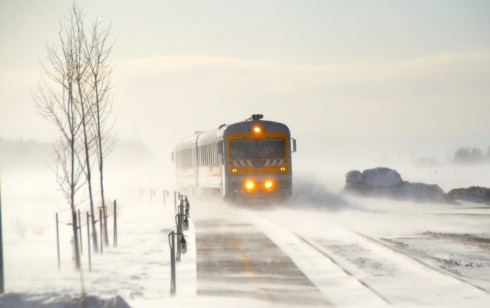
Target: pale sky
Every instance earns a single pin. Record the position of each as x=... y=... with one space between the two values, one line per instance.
x=322 y=67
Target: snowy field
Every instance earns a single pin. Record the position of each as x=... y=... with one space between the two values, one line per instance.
x=355 y=251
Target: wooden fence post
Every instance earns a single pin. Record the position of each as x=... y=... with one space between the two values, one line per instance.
x=106 y=236
x=58 y=241
x=88 y=243
x=2 y=277
x=101 y=233
x=115 y=223
x=80 y=231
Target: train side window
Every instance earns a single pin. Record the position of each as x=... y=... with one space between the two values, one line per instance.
x=203 y=150
x=193 y=156
x=219 y=145
x=205 y=155
x=199 y=150
x=215 y=152
x=203 y=158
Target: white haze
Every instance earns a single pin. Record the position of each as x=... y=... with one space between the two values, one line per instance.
x=361 y=85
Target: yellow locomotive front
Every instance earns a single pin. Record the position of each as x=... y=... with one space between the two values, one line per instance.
x=257 y=159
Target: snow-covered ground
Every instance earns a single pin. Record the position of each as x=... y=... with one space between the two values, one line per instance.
x=355 y=251
x=359 y=242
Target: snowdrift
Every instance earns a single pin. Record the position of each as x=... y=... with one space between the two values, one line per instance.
x=21 y=300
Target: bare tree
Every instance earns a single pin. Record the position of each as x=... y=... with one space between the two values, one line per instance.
x=56 y=100
x=98 y=51
x=86 y=107
x=74 y=94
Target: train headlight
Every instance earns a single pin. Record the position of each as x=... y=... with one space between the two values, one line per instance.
x=283 y=169
x=268 y=184
x=234 y=170
x=249 y=185
x=257 y=129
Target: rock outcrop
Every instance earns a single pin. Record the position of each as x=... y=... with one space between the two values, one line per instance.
x=473 y=194
x=386 y=182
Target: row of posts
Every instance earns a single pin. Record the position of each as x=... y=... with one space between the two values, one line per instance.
x=103 y=226
x=165 y=194
x=153 y=193
x=103 y=235
x=182 y=224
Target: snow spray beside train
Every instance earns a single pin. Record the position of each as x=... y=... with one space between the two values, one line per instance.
x=249 y=159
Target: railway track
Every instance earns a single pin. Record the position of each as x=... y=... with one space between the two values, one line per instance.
x=335 y=266
x=233 y=259
x=332 y=259
x=421 y=262
x=392 y=275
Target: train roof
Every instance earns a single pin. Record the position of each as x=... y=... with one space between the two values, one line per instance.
x=203 y=137
x=244 y=126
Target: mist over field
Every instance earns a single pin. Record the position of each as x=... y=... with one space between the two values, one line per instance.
x=319 y=170
x=322 y=161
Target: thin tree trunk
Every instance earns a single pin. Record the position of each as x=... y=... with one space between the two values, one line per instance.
x=100 y=158
x=81 y=68
x=89 y=179
x=73 y=210
x=88 y=167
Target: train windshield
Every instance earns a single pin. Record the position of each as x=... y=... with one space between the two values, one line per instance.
x=257 y=148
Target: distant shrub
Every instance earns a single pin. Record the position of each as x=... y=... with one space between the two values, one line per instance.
x=471 y=155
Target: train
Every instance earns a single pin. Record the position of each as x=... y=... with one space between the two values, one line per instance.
x=244 y=160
